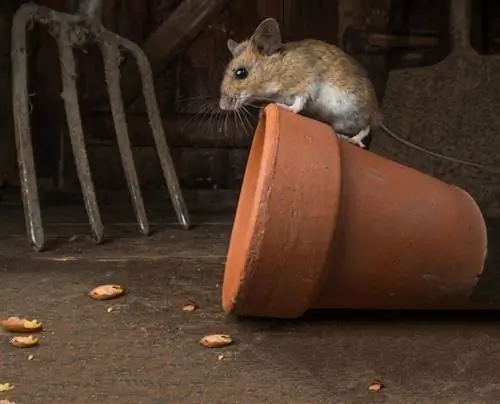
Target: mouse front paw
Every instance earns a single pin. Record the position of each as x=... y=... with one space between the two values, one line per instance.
x=298 y=104
x=287 y=107
x=357 y=142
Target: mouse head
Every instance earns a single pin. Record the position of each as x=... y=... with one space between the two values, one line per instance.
x=251 y=74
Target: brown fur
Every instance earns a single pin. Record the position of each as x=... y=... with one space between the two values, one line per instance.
x=284 y=70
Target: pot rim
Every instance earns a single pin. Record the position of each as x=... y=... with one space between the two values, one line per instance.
x=248 y=219
x=274 y=169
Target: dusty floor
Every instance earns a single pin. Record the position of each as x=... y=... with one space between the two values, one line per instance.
x=146 y=349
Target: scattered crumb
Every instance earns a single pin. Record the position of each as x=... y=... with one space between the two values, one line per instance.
x=64 y=259
x=109 y=310
x=375 y=385
x=24 y=342
x=6 y=387
x=16 y=324
x=7 y=402
x=216 y=340
x=189 y=306
x=31 y=357
x=220 y=357
x=106 y=292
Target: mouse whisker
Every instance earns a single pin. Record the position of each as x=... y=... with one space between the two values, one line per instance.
x=198 y=115
x=226 y=128
x=238 y=120
x=247 y=115
x=241 y=115
x=264 y=98
x=192 y=101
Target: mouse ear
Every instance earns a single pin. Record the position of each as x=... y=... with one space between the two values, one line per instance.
x=232 y=45
x=267 y=37
x=236 y=48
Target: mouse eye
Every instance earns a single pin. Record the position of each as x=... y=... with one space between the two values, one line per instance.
x=241 y=73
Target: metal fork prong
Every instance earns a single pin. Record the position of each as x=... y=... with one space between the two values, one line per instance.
x=156 y=125
x=71 y=105
x=111 y=57
x=22 y=129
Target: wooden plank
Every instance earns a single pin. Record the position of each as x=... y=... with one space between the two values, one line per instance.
x=350 y=14
x=479 y=27
x=316 y=20
x=8 y=165
x=185 y=23
x=130 y=19
x=243 y=17
x=48 y=116
x=159 y=11
x=197 y=168
x=201 y=67
x=180 y=131
x=366 y=16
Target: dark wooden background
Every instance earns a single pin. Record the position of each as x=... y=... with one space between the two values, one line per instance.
x=209 y=152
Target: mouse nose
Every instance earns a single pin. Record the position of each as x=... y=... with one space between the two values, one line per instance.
x=224 y=102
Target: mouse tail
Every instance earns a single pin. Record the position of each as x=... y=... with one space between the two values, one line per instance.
x=407 y=143
x=376 y=118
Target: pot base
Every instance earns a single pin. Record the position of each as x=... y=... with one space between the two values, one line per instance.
x=322 y=223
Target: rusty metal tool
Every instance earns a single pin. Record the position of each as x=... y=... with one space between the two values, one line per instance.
x=70 y=31
x=450 y=108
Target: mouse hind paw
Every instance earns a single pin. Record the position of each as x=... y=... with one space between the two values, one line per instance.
x=357 y=139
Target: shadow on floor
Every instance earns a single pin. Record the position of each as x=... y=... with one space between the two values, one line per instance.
x=142 y=348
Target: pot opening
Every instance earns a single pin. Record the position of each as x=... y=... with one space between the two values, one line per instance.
x=252 y=194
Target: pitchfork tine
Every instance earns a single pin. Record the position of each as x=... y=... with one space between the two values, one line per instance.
x=156 y=124
x=70 y=97
x=74 y=30
x=111 y=56
x=20 y=103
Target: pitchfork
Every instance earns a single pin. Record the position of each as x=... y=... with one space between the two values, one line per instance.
x=74 y=31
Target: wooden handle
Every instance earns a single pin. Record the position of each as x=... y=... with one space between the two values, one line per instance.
x=460 y=23
x=91 y=9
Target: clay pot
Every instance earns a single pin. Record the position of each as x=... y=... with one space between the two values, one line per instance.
x=322 y=223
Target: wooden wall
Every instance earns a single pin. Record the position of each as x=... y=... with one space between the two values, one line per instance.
x=8 y=169
x=209 y=151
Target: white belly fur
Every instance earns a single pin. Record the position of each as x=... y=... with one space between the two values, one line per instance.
x=333 y=106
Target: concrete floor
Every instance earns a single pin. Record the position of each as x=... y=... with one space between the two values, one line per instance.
x=146 y=349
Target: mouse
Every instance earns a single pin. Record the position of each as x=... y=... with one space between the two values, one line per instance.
x=309 y=77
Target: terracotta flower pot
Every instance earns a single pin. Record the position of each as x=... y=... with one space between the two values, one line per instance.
x=324 y=224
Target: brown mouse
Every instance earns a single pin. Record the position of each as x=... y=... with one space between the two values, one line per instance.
x=311 y=77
